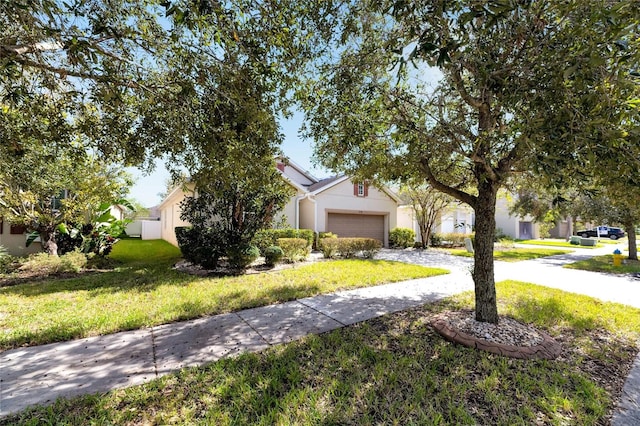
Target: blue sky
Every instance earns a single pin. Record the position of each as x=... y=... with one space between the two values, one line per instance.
x=147 y=188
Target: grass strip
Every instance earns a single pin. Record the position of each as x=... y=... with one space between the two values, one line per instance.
x=144 y=291
x=393 y=370
x=514 y=255
x=605 y=264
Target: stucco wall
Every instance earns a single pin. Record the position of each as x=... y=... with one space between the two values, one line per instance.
x=16 y=244
x=510 y=225
x=170 y=215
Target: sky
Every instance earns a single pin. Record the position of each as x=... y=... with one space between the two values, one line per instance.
x=147 y=188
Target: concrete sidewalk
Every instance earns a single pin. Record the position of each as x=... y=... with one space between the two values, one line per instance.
x=40 y=374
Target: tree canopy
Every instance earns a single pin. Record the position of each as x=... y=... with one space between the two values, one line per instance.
x=525 y=86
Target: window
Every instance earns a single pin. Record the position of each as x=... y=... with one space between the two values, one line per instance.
x=360 y=189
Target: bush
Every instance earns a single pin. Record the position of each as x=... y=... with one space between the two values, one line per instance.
x=506 y=243
x=350 y=247
x=42 y=263
x=294 y=249
x=241 y=256
x=322 y=236
x=329 y=247
x=436 y=240
x=273 y=255
x=6 y=260
x=200 y=247
x=269 y=237
x=402 y=237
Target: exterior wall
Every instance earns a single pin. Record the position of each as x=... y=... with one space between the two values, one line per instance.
x=117 y=212
x=307 y=215
x=16 y=244
x=289 y=210
x=513 y=225
x=170 y=215
x=459 y=220
x=293 y=174
x=340 y=199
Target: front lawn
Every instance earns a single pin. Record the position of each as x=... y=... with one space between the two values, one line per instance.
x=144 y=291
x=394 y=370
x=605 y=264
x=555 y=243
x=514 y=255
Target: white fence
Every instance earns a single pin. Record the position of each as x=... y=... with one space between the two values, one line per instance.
x=145 y=229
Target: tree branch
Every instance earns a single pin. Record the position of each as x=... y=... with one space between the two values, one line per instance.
x=456 y=193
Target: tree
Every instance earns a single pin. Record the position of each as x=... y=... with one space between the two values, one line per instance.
x=526 y=86
x=428 y=205
x=46 y=176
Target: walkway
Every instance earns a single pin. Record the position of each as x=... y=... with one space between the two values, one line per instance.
x=39 y=375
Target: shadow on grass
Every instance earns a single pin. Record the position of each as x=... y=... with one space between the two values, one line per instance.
x=390 y=370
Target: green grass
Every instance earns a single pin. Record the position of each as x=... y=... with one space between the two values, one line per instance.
x=514 y=255
x=144 y=291
x=393 y=370
x=605 y=264
x=555 y=243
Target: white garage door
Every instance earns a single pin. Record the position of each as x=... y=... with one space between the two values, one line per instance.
x=357 y=225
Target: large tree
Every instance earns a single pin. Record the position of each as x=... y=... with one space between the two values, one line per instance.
x=524 y=86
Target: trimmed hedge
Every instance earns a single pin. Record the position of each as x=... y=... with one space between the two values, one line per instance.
x=269 y=237
x=349 y=247
x=402 y=237
x=451 y=239
x=294 y=249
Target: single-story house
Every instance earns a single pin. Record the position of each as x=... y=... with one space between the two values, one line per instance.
x=14 y=239
x=336 y=204
x=457 y=218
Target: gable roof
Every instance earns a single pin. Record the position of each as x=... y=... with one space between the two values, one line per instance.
x=325 y=184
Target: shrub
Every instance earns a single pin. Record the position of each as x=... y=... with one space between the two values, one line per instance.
x=455 y=239
x=322 y=236
x=402 y=237
x=42 y=263
x=350 y=247
x=273 y=255
x=436 y=240
x=269 y=237
x=6 y=260
x=329 y=247
x=200 y=247
x=294 y=249
x=241 y=256
x=506 y=243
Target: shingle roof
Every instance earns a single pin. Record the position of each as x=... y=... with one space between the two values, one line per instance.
x=323 y=182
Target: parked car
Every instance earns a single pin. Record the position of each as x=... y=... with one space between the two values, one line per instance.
x=603 y=231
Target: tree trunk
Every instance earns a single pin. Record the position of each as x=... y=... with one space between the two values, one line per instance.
x=630 y=229
x=49 y=243
x=483 y=270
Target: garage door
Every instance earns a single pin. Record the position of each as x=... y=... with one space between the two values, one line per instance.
x=357 y=225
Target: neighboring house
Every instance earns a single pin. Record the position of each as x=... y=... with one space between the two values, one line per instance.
x=523 y=228
x=336 y=204
x=14 y=239
x=458 y=218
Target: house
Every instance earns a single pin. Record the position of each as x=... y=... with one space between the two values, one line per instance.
x=457 y=218
x=524 y=228
x=336 y=204
x=14 y=239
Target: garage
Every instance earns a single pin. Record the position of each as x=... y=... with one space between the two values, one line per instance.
x=357 y=225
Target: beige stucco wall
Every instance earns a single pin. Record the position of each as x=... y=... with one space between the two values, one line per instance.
x=296 y=176
x=509 y=224
x=170 y=215
x=289 y=210
x=16 y=244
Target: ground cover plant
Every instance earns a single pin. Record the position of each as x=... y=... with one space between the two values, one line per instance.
x=556 y=243
x=605 y=264
x=395 y=370
x=143 y=290
x=514 y=255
